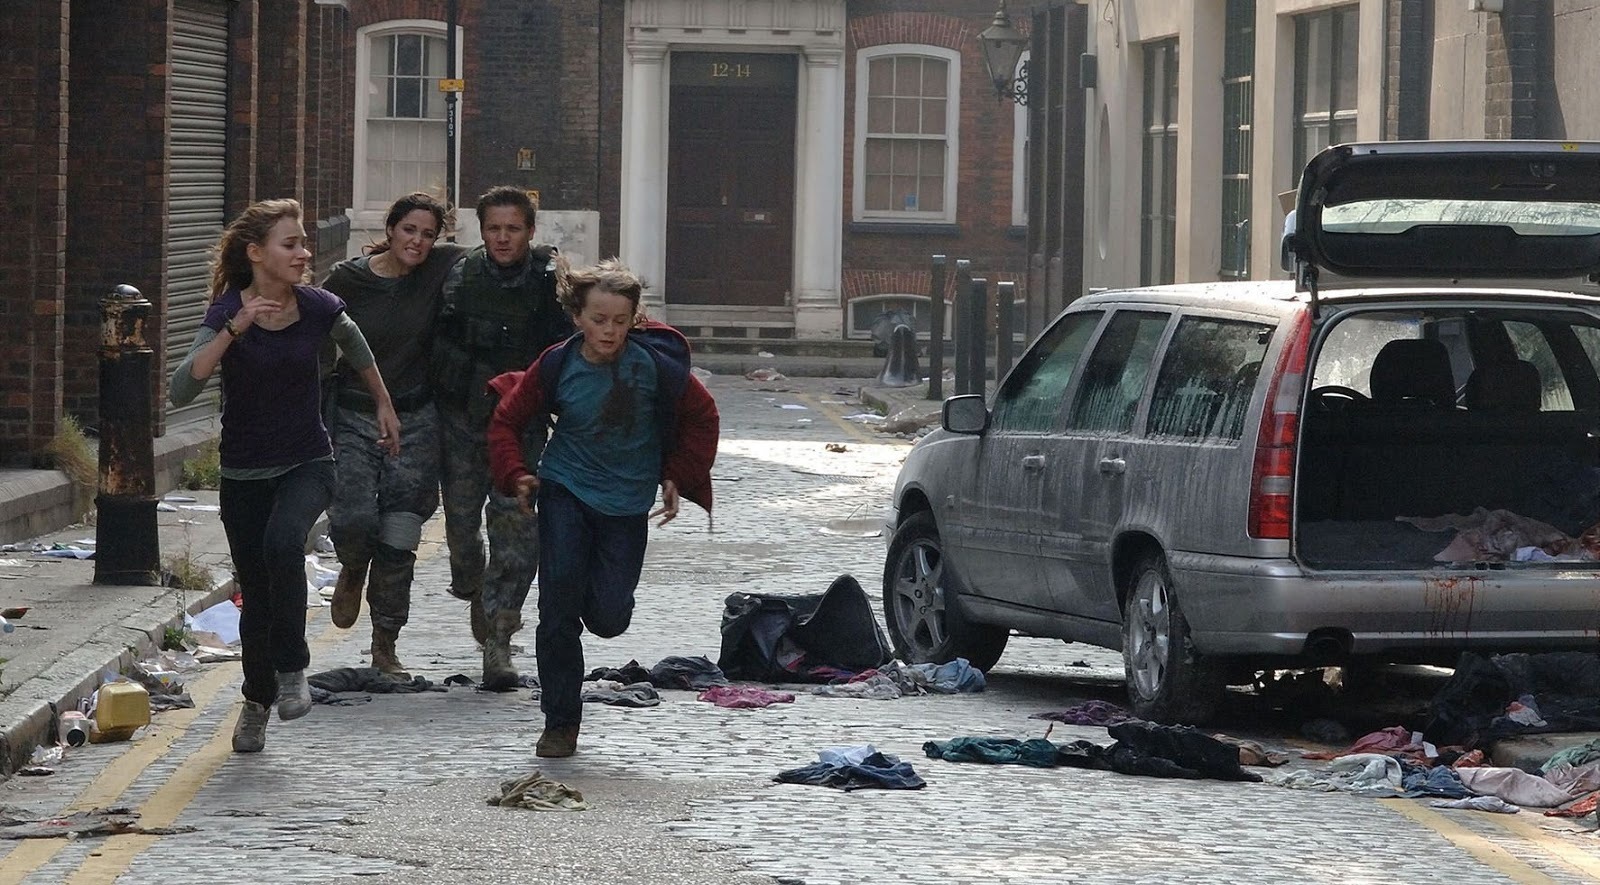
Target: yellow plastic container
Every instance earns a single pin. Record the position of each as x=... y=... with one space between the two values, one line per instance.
x=123 y=708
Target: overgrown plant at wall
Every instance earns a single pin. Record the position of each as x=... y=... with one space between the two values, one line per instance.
x=71 y=452
x=204 y=470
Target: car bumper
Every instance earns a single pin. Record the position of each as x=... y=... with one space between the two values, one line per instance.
x=1239 y=606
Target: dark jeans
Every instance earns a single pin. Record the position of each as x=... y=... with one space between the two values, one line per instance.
x=589 y=565
x=267 y=521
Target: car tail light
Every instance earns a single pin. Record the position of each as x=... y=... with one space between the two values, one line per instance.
x=1272 y=480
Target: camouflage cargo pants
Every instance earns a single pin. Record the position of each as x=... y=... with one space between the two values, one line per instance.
x=380 y=503
x=502 y=582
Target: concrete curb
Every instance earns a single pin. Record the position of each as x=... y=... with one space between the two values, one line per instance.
x=135 y=638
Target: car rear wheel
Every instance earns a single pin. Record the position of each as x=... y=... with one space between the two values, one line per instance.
x=923 y=613
x=1168 y=681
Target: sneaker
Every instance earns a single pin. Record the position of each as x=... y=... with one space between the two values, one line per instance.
x=250 y=733
x=558 y=741
x=294 y=695
x=346 y=604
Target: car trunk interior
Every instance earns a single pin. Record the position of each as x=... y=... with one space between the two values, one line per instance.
x=1452 y=436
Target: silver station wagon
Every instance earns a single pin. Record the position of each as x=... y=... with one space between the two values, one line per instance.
x=1393 y=457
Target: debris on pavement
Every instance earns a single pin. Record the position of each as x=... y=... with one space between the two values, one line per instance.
x=854 y=768
x=221 y=619
x=536 y=792
x=805 y=638
x=1141 y=748
x=343 y=686
x=1088 y=713
x=95 y=822
x=617 y=694
x=765 y=374
x=1488 y=698
x=1253 y=753
x=745 y=697
x=1478 y=803
x=678 y=671
x=837 y=447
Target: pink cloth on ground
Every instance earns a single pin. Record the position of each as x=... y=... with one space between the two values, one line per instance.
x=743 y=697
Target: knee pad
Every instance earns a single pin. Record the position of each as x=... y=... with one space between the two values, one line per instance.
x=402 y=531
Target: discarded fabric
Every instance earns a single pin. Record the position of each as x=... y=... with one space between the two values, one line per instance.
x=854 y=768
x=95 y=822
x=1479 y=803
x=1364 y=774
x=637 y=694
x=1515 y=786
x=627 y=674
x=745 y=697
x=1440 y=780
x=1580 y=808
x=771 y=638
x=538 y=793
x=221 y=619
x=1396 y=739
x=696 y=673
x=1035 y=752
x=335 y=686
x=872 y=685
x=1253 y=753
x=1087 y=713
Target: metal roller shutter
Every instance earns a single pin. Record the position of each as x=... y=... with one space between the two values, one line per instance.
x=196 y=202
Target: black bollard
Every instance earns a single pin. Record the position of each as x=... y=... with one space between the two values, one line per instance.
x=1005 y=294
x=975 y=317
x=127 y=550
x=900 y=368
x=936 y=329
x=963 y=332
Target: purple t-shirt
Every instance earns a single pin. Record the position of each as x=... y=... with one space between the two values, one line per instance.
x=271 y=390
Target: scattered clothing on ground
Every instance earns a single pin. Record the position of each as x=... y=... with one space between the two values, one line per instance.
x=854 y=768
x=538 y=793
x=745 y=697
x=810 y=638
x=954 y=677
x=1515 y=786
x=1478 y=803
x=1573 y=757
x=616 y=694
x=1397 y=740
x=343 y=686
x=1440 y=780
x=1035 y=752
x=1488 y=698
x=872 y=685
x=1088 y=713
x=1253 y=753
x=1364 y=774
x=627 y=674
x=696 y=673
x=1580 y=808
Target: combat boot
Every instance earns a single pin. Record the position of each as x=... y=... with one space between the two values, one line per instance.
x=498 y=673
x=347 y=594
x=383 y=656
x=557 y=742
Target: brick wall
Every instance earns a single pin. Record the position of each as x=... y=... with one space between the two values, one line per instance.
x=281 y=99
x=1515 y=68
x=1408 y=64
x=33 y=157
x=243 y=77
x=330 y=128
x=117 y=174
x=886 y=257
x=609 y=154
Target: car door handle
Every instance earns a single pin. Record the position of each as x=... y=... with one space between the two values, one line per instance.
x=1032 y=462
x=1113 y=466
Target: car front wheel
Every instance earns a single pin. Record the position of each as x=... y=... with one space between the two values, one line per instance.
x=923 y=613
x=1168 y=681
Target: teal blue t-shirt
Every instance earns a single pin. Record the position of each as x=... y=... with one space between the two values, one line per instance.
x=606 y=447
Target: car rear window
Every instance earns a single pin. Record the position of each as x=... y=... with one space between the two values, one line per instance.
x=1207 y=378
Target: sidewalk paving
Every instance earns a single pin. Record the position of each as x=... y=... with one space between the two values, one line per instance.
x=76 y=630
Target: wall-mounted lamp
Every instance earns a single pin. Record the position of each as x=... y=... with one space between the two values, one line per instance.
x=1002 y=45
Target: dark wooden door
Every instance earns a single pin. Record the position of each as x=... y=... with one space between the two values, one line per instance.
x=730 y=185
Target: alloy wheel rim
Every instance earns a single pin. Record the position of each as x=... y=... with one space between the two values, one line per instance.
x=919 y=598
x=1150 y=639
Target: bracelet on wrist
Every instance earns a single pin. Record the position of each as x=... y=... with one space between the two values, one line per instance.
x=230 y=328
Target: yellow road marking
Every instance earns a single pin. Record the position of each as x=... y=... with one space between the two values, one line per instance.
x=850 y=428
x=1482 y=849
x=119 y=774
x=1572 y=855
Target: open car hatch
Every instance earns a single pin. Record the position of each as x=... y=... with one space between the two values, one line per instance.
x=1397 y=211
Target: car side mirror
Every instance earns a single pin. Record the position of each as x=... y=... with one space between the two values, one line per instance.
x=965 y=414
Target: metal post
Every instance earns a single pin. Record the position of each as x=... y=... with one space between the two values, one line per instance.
x=936 y=329
x=450 y=108
x=127 y=550
x=1005 y=296
x=963 y=334
x=976 y=319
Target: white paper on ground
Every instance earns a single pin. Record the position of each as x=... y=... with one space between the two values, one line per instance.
x=221 y=619
x=205 y=508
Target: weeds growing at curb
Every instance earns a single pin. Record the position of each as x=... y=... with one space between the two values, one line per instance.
x=204 y=470
x=71 y=452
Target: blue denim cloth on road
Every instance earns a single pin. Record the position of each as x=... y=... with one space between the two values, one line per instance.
x=856 y=768
x=1441 y=780
x=1036 y=752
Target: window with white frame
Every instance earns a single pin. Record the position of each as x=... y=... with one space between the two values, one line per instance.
x=1327 y=45
x=1159 y=210
x=401 y=113
x=1019 y=153
x=906 y=127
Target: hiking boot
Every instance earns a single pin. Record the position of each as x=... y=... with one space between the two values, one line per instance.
x=383 y=656
x=250 y=733
x=480 y=621
x=498 y=673
x=557 y=742
x=294 y=695
x=347 y=595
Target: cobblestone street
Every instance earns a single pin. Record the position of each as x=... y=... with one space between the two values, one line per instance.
x=394 y=790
